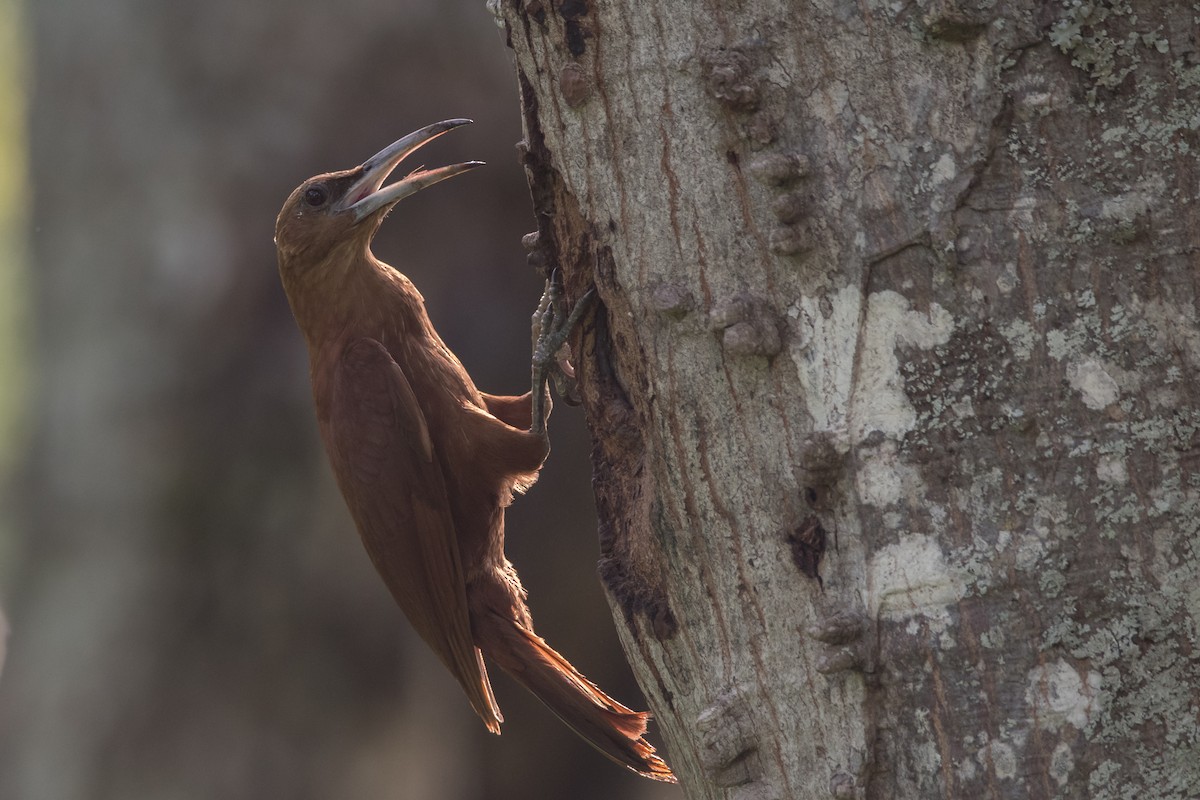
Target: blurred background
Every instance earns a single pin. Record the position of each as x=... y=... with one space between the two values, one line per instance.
x=191 y=613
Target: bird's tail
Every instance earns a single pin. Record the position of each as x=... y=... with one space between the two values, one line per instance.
x=609 y=726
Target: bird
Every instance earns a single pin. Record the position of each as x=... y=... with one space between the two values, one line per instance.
x=426 y=462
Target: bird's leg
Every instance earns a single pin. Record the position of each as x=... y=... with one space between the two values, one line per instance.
x=551 y=327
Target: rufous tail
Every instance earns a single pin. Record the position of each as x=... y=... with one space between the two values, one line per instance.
x=609 y=726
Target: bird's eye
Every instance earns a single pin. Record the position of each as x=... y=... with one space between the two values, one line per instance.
x=316 y=196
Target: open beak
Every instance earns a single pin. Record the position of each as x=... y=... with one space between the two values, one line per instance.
x=366 y=196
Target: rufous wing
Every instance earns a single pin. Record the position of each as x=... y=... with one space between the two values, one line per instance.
x=390 y=475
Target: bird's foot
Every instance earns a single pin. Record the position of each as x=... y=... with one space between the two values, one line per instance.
x=552 y=325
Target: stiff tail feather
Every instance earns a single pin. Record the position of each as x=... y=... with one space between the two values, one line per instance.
x=609 y=726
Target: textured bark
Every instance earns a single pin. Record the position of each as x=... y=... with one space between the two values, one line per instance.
x=906 y=294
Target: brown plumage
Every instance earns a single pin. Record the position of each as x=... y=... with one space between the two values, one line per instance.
x=426 y=462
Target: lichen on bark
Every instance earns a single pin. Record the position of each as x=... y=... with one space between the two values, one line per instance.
x=954 y=244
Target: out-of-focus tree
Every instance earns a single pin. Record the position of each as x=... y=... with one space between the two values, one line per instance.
x=191 y=613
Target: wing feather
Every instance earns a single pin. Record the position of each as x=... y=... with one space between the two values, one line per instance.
x=389 y=472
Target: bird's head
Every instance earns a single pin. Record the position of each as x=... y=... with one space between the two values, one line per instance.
x=344 y=209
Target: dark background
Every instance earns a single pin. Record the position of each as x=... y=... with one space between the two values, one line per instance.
x=192 y=615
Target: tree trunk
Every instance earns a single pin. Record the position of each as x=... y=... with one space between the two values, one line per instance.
x=892 y=382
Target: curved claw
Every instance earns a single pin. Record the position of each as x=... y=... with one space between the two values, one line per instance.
x=550 y=362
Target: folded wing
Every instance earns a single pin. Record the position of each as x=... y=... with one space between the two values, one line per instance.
x=389 y=472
